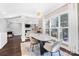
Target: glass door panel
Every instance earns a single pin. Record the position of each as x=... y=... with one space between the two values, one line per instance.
x=64 y=34
x=47 y=24
x=48 y=27
x=54 y=33
x=47 y=31
x=64 y=20
x=54 y=22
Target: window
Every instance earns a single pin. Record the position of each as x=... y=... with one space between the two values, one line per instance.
x=54 y=27
x=54 y=22
x=54 y=33
x=64 y=20
x=64 y=27
x=48 y=27
x=59 y=27
x=64 y=34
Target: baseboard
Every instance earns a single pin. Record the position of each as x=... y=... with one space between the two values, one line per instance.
x=69 y=52
x=17 y=34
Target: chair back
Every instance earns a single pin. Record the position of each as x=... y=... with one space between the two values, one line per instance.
x=56 y=46
x=52 y=46
x=33 y=41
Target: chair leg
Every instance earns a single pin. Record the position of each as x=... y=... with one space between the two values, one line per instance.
x=32 y=49
x=51 y=53
x=59 y=53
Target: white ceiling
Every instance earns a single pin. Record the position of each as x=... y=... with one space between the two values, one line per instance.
x=29 y=9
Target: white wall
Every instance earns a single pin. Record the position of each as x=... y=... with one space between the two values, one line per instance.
x=3 y=32
x=3 y=25
x=15 y=28
x=14 y=25
x=78 y=27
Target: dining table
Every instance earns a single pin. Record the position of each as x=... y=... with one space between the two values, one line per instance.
x=42 y=38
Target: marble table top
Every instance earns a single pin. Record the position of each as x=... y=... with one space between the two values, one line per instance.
x=41 y=37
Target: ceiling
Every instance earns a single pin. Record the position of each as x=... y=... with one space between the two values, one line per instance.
x=29 y=9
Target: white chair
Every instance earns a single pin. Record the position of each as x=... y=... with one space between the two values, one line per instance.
x=28 y=34
x=53 y=47
x=33 y=43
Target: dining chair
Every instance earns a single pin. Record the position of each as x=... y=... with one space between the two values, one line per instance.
x=53 y=47
x=33 y=43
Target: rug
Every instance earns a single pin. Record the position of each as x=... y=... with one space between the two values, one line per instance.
x=27 y=51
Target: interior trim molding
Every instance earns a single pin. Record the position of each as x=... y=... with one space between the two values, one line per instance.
x=69 y=52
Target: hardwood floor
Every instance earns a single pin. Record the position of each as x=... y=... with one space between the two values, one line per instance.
x=12 y=48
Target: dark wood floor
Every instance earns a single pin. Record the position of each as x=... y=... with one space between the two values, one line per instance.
x=12 y=48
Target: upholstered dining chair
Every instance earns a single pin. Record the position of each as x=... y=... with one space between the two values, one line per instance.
x=53 y=47
x=33 y=43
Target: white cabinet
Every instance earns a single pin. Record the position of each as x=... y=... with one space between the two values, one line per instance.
x=3 y=39
x=3 y=32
